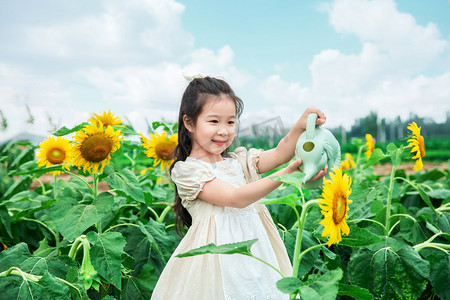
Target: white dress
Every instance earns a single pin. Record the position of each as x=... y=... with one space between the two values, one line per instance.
x=213 y=276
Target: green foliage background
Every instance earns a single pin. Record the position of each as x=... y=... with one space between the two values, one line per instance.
x=67 y=240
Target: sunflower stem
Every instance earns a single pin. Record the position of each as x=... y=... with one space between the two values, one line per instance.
x=387 y=227
x=95 y=179
x=358 y=158
x=311 y=248
x=118 y=225
x=55 y=187
x=163 y=214
x=298 y=240
x=42 y=186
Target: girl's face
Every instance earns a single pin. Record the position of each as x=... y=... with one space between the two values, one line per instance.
x=215 y=128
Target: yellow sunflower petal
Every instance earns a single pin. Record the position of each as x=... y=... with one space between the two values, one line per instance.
x=55 y=151
x=334 y=205
x=93 y=146
x=161 y=148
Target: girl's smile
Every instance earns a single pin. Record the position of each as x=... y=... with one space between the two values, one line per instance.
x=214 y=130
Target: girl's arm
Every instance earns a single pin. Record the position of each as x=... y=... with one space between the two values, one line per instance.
x=221 y=193
x=285 y=150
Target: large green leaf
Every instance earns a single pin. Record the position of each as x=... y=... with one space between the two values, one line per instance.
x=140 y=287
x=440 y=273
x=289 y=285
x=325 y=285
x=106 y=253
x=354 y=291
x=318 y=287
x=158 y=238
x=5 y=220
x=232 y=248
x=359 y=237
x=126 y=182
x=375 y=157
x=23 y=183
x=394 y=153
x=14 y=256
x=18 y=287
x=389 y=272
x=72 y=219
x=290 y=200
x=294 y=179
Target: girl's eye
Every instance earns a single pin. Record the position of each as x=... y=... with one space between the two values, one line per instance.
x=231 y=122
x=214 y=121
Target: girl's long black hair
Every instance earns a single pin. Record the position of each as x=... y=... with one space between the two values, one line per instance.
x=194 y=97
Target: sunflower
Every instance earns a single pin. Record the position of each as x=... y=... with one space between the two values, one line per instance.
x=161 y=148
x=55 y=151
x=107 y=118
x=335 y=205
x=370 y=144
x=348 y=163
x=94 y=145
x=417 y=144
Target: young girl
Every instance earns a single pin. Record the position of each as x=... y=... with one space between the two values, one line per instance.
x=216 y=197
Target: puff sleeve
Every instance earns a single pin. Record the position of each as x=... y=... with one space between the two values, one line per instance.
x=249 y=160
x=189 y=178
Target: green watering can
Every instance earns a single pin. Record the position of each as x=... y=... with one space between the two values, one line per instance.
x=316 y=147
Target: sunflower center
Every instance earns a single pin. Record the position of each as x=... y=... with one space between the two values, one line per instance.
x=339 y=208
x=164 y=150
x=56 y=156
x=421 y=145
x=96 y=148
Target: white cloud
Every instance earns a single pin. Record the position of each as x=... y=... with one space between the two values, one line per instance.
x=385 y=76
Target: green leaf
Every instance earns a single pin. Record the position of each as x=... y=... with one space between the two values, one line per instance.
x=81 y=216
x=106 y=254
x=440 y=273
x=294 y=179
x=233 y=248
x=289 y=285
x=127 y=130
x=424 y=196
x=389 y=273
x=23 y=286
x=439 y=194
x=324 y=287
x=375 y=157
x=126 y=182
x=5 y=220
x=156 y=125
x=395 y=154
x=38 y=171
x=290 y=200
x=14 y=256
x=158 y=239
x=23 y=183
x=140 y=287
x=359 y=237
x=65 y=131
x=354 y=291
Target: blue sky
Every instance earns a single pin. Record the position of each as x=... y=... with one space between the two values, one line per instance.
x=67 y=60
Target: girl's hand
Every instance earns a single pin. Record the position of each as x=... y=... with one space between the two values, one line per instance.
x=321 y=118
x=294 y=167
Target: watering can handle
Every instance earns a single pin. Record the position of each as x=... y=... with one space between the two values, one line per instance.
x=311 y=126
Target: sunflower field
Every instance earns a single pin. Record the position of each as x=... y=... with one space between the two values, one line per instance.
x=87 y=214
